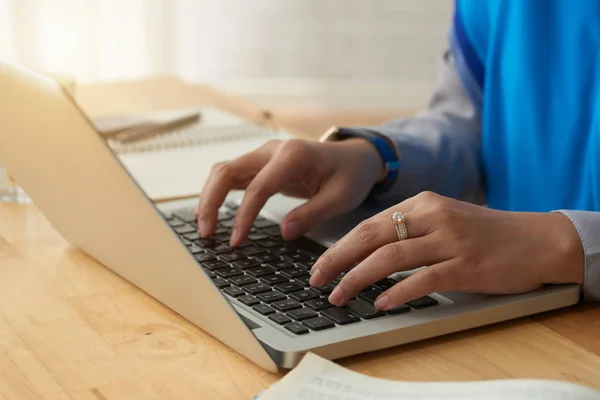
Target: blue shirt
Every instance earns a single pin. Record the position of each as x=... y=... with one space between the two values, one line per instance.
x=534 y=68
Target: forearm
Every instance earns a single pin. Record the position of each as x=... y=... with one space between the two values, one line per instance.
x=587 y=224
x=439 y=149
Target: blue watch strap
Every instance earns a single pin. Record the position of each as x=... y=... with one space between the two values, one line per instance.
x=386 y=152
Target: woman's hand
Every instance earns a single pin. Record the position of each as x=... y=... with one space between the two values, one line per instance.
x=335 y=177
x=466 y=247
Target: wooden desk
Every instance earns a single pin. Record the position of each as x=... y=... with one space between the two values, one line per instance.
x=71 y=329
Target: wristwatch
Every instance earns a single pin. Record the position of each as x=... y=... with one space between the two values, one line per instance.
x=385 y=148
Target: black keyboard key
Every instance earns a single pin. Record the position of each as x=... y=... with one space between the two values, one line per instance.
x=263 y=309
x=303 y=280
x=265 y=223
x=268 y=243
x=210 y=273
x=214 y=264
x=296 y=257
x=302 y=314
x=369 y=295
x=221 y=230
x=232 y=204
x=195 y=249
x=269 y=297
x=327 y=289
x=318 y=324
x=307 y=264
x=404 y=308
x=385 y=284
x=221 y=283
x=182 y=230
x=364 y=309
x=245 y=264
x=289 y=287
x=186 y=215
x=227 y=222
x=252 y=250
x=257 y=288
x=318 y=304
x=294 y=273
x=229 y=272
x=423 y=302
x=207 y=243
x=272 y=231
x=230 y=213
x=176 y=223
x=220 y=249
x=204 y=257
x=279 y=318
x=340 y=315
x=286 y=305
x=192 y=236
x=233 y=291
x=304 y=295
x=245 y=243
x=274 y=279
x=296 y=327
x=233 y=256
x=281 y=249
x=260 y=271
x=248 y=300
x=281 y=265
x=222 y=237
x=257 y=236
x=265 y=258
x=185 y=241
x=242 y=280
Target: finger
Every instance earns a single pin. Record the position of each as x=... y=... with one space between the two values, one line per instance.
x=363 y=240
x=268 y=181
x=325 y=204
x=223 y=178
x=395 y=257
x=436 y=278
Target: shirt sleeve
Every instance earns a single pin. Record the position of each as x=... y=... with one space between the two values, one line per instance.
x=587 y=224
x=439 y=149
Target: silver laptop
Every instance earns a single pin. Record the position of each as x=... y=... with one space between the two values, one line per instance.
x=255 y=299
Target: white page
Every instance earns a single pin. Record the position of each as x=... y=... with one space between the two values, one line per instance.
x=318 y=379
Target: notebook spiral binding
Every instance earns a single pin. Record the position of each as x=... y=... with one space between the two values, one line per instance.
x=195 y=135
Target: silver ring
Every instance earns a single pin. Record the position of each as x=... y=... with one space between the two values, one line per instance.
x=399 y=221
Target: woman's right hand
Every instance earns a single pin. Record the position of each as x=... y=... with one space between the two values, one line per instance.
x=335 y=177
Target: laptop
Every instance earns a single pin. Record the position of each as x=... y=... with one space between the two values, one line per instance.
x=255 y=299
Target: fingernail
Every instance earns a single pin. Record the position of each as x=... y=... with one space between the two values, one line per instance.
x=202 y=227
x=337 y=296
x=235 y=237
x=382 y=302
x=292 y=229
x=316 y=279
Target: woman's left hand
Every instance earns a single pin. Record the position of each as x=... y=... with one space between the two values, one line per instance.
x=465 y=247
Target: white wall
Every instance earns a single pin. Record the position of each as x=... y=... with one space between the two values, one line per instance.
x=346 y=50
x=384 y=49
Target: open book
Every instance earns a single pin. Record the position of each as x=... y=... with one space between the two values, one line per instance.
x=318 y=379
x=174 y=164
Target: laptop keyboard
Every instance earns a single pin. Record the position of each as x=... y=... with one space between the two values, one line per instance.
x=269 y=276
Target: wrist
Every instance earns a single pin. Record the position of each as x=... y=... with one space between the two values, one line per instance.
x=567 y=262
x=368 y=155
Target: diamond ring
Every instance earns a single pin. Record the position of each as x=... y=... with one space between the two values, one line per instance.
x=399 y=221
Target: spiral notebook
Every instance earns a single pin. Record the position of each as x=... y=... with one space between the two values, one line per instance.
x=175 y=164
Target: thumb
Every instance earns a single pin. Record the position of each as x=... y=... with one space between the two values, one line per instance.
x=330 y=201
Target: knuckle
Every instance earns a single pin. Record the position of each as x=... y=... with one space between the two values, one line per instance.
x=294 y=148
x=427 y=197
x=367 y=231
x=430 y=278
x=256 y=190
x=221 y=169
x=391 y=252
